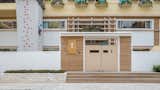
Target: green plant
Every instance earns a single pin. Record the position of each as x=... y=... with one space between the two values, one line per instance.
x=101 y=1
x=125 y=3
x=57 y=2
x=34 y=71
x=156 y=68
x=145 y=3
x=80 y=1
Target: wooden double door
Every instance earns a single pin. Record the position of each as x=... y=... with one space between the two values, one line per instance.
x=101 y=57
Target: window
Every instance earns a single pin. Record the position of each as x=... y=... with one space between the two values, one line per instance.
x=135 y=24
x=7 y=1
x=96 y=42
x=55 y=24
x=7 y=25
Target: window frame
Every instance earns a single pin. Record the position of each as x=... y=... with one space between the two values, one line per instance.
x=133 y=29
x=8 y=21
x=56 y=29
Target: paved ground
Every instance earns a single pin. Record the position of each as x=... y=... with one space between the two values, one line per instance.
x=33 y=78
x=57 y=82
x=77 y=86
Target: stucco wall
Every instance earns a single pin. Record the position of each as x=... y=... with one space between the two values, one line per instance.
x=142 y=38
x=141 y=61
x=29 y=60
x=51 y=38
x=8 y=38
x=144 y=61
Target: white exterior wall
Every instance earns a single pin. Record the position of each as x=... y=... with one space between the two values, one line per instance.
x=144 y=61
x=30 y=60
x=8 y=38
x=142 y=38
x=51 y=38
x=141 y=61
x=29 y=22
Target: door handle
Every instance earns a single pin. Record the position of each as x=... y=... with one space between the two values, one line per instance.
x=94 y=51
x=105 y=51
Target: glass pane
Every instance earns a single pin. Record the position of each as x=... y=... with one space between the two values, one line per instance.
x=134 y=24
x=93 y=28
x=54 y=24
x=45 y=25
x=96 y=42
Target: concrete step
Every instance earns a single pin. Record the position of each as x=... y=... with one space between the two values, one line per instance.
x=105 y=73
x=114 y=76
x=77 y=77
x=115 y=80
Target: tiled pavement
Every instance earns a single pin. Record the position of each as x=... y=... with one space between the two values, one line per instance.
x=56 y=82
x=77 y=86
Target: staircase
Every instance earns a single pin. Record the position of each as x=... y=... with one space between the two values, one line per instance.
x=125 y=77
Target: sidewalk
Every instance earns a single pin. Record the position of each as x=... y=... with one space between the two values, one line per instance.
x=50 y=81
x=77 y=86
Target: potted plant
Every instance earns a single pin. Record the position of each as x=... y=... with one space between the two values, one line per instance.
x=101 y=3
x=57 y=3
x=145 y=3
x=125 y=3
x=156 y=68
x=81 y=3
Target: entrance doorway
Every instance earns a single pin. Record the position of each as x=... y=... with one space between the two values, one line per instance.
x=101 y=55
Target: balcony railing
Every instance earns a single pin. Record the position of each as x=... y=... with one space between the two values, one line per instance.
x=101 y=3
x=145 y=3
x=57 y=3
x=125 y=3
x=81 y=3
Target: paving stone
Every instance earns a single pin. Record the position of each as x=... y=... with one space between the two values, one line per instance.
x=56 y=82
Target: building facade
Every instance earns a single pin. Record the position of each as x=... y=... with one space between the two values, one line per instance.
x=92 y=35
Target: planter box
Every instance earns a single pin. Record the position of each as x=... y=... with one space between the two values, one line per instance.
x=146 y=5
x=101 y=5
x=126 y=5
x=81 y=5
x=57 y=6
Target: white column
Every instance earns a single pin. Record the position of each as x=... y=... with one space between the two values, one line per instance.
x=29 y=25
